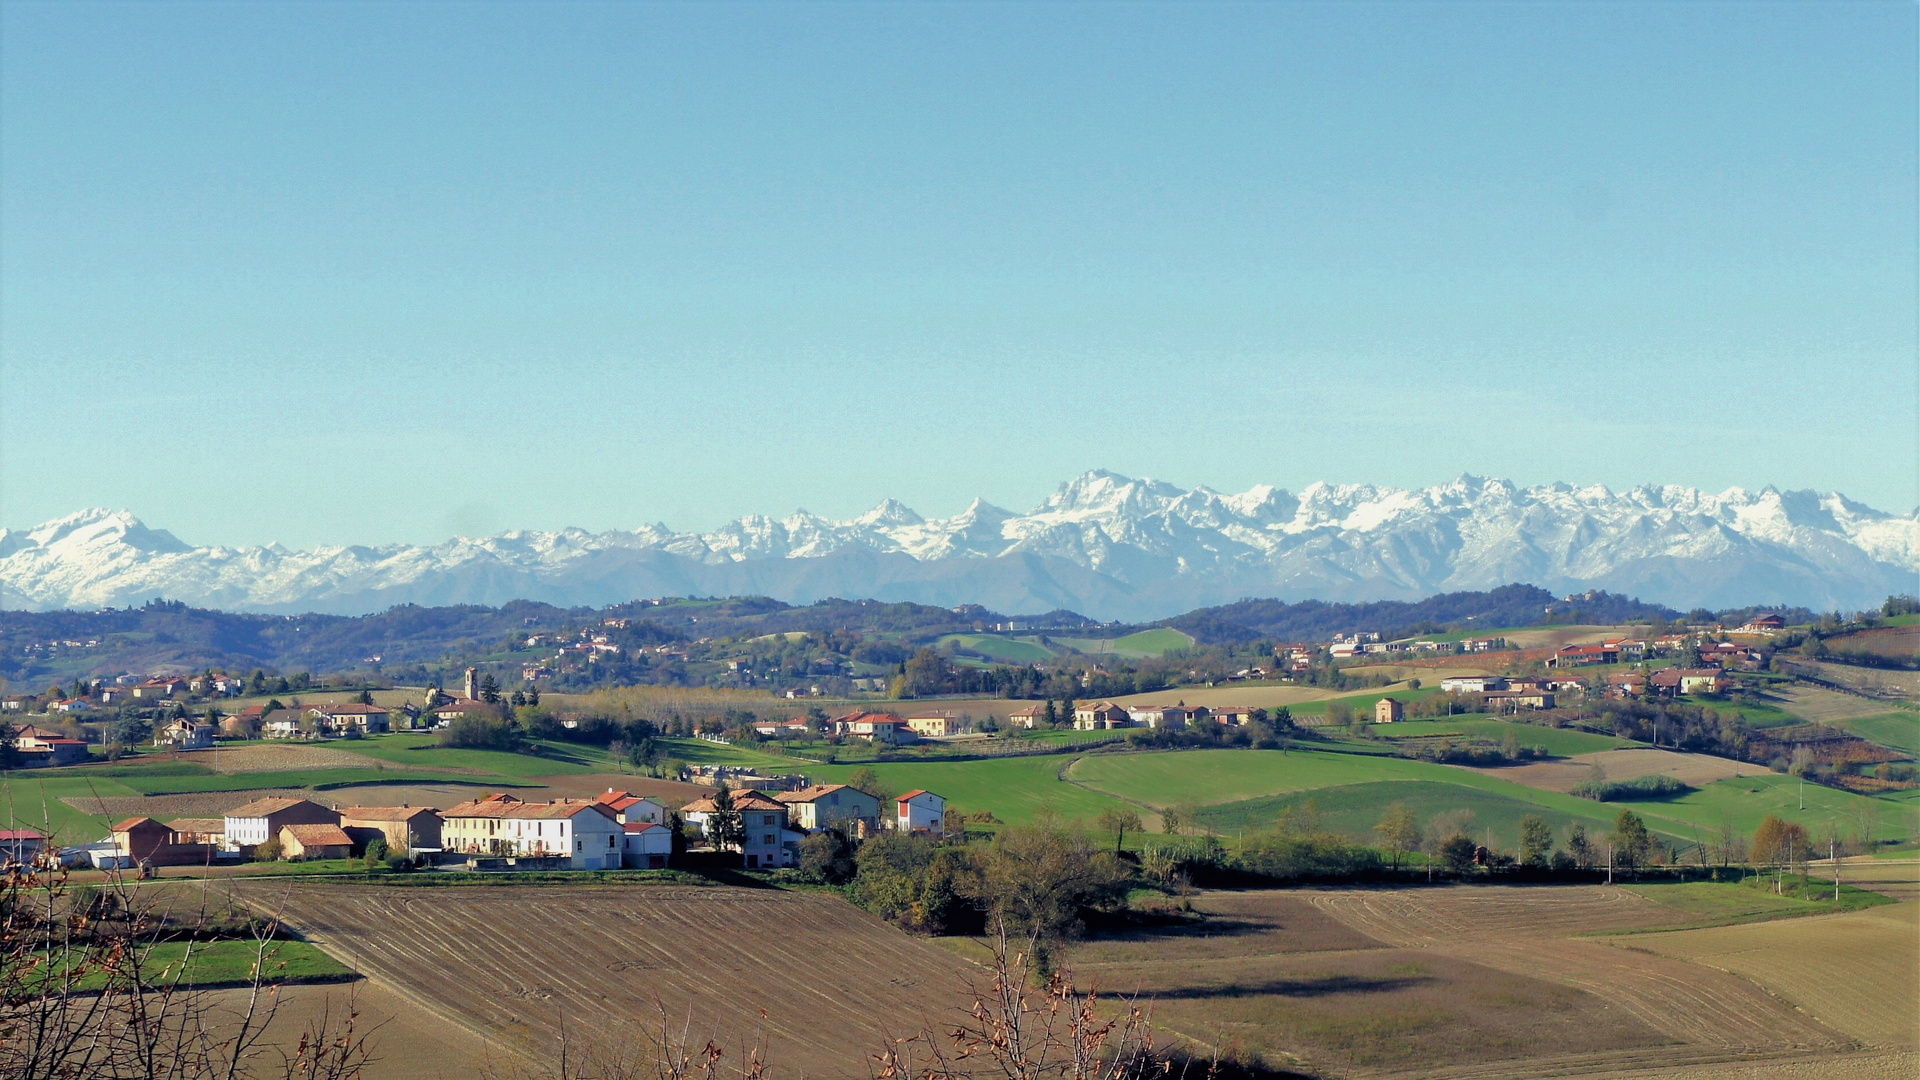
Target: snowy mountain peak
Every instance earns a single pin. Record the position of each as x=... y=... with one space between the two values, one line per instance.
x=1102 y=543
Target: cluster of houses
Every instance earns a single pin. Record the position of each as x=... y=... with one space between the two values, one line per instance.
x=614 y=830
x=1366 y=643
x=130 y=690
x=1107 y=716
x=1503 y=693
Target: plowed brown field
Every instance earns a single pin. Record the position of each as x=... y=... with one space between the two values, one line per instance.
x=1856 y=971
x=1272 y=976
x=821 y=980
x=1522 y=930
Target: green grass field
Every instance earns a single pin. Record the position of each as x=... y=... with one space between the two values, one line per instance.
x=1720 y=903
x=1760 y=715
x=1214 y=777
x=1897 y=730
x=1015 y=789
x=1362 y=702
x=1156 y=642
x=1743 y=801
x=230 y=963
x=1007 y=649
x=1560 y=742
x=35 y=800
x=1354 y=809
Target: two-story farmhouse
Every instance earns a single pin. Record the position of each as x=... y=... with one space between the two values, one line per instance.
x=261 y=820
x=406 y=829
x=586 y=833
x=921 y=811
x=830 y=806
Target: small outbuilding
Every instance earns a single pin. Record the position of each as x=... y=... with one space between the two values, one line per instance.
x=314 y=842
x=1387 y=711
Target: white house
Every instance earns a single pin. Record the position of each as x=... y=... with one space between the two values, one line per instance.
x=1101 y=717
x=262 y=819
x=921 y=811
x=186 y=734
x=585 y=833
x=645 y=845
x=631 y=809
x=1172 y=717
x=1472 y=684
x=369 y=719
x=766 y=841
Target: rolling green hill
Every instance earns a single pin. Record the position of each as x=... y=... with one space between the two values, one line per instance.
x=995 y=647
x=1156 y=642
x=1354 y=809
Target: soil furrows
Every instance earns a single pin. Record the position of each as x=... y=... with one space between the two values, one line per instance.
x=820 y=981
x=1694 y=1004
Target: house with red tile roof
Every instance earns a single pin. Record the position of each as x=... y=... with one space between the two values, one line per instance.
x=583 y=831
x=826 y=806
x=406 y=829
x=630 y=808
x=368 y=719
x=768 y=840
x=261 y=820
x=314 y=842
x=645 y=845
x=921 y=811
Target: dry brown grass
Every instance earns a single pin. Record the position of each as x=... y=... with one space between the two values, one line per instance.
x=821 y=980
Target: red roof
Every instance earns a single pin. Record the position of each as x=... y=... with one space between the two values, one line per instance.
x=913 y=793
x=134 y=822
x=640 y=826
x=20 y=834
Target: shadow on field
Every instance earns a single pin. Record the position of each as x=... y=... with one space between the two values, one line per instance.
x=1320 y=986
x=1135 y=930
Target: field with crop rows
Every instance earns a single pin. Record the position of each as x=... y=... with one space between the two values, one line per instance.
x=820 y=980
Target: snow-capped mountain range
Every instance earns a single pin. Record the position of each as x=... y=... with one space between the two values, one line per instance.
x=1103 y=544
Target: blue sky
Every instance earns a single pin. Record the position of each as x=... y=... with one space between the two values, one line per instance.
x=367 y=273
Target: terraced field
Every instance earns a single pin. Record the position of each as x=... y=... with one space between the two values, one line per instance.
x=821 y=981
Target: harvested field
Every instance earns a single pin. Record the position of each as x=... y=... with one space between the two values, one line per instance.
x=406 y=1043
x=1898 y=878
x=284 y=757
x=1520 y=930
x=587 y=785
x=1823 y=706
x=1858 y=972
x=1878 y=682
x=1694 y=770
x=509 y=961
x=1275 y=977
x=168 y=807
